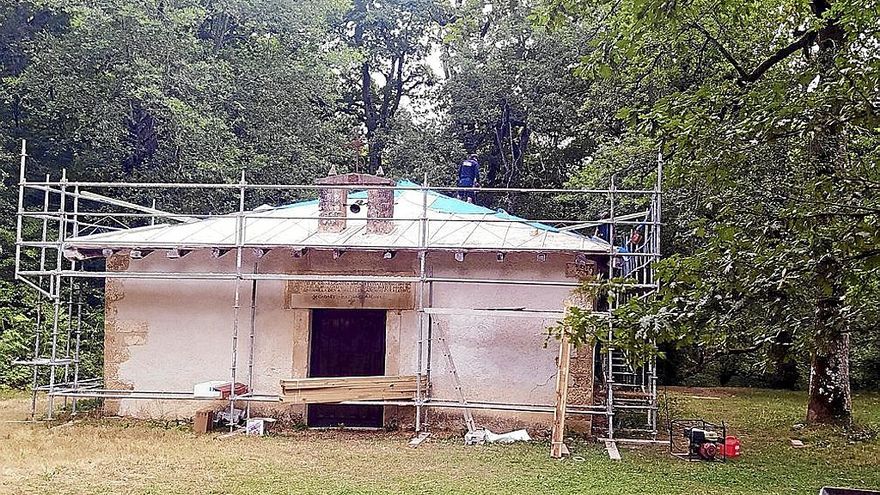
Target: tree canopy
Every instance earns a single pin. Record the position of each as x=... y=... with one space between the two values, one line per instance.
x=764 y=113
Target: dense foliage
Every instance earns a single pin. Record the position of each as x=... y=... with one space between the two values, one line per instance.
x=765 y=114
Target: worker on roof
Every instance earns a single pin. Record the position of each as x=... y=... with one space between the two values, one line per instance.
x=468 y=176
x=603 y=230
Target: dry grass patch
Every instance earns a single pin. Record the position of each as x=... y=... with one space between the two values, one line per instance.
x=120 y=456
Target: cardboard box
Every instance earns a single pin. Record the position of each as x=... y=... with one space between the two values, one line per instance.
x=204 y=421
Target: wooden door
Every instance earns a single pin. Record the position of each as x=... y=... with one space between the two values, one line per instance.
x=346 y=342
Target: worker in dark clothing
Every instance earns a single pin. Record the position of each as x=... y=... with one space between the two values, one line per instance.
x=468 y=176
x=603 y=230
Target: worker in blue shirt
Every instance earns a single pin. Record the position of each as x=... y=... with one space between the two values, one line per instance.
x=468 y=176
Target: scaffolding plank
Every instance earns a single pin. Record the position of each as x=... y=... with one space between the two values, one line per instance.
x=416 y=441
x=322 y=382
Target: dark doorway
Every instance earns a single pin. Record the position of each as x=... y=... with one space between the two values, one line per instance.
x=346 y=342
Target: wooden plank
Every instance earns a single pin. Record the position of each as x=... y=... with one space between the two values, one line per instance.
x=468 y=416
x=327 y=398
x=408 y=387
x=347 y=381
x=343 y=391
x=613 y=453
x=415 y=442
x=360 y=388
x=323 y=383
x=635 y=441
x=339 y=389
x=351 y=390
x=400 y=386
x=557 y=447
x=300 y=383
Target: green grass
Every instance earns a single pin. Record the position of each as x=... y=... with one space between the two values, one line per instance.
x=118 y=456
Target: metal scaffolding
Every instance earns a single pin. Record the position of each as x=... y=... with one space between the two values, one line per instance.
x=54 y=211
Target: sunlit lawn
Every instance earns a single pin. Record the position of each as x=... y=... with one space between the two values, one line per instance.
x=118 y=456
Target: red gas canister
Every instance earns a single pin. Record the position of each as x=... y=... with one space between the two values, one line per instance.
x=731 y=446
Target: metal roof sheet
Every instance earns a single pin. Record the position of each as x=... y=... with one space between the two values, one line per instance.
x=452 y=225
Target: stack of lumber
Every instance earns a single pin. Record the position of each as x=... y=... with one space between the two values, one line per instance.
x=330 y=390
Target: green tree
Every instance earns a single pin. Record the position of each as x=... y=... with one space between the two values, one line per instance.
x=187 y=90
x=513 y=98
x=767 y=118
x=393 y=39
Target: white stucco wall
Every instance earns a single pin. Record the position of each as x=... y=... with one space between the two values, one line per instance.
x=170 y=334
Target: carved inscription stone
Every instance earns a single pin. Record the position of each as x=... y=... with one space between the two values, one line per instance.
x=365 y=295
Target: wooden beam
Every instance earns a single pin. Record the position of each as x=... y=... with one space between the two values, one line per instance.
x=611 y=447
x=340 y=389
x=557 y=445
x=346 y=381
x=415 y=442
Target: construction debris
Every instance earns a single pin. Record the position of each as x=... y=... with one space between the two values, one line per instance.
x=203 y=421
x=258 y=426
x=224 y=417
x=483 y=435
x=208 y=389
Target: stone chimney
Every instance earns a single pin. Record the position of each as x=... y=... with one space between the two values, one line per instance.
x=333 y=203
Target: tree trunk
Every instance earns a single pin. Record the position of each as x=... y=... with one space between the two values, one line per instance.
x=375 y=155
x=830 y=397
x=830 y=400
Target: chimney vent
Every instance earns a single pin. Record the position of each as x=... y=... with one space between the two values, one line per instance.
x=333 y=203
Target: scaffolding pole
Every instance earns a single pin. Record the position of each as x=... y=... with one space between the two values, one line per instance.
x=56 y=297
x=349 y=187
x=71 y=288
x=333 y=278
x=38 y=329
x=252 y=338
x=612 y=299
x=239 y=237
x=423 y=253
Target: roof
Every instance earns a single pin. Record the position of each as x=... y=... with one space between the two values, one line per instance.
x=452 y=225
